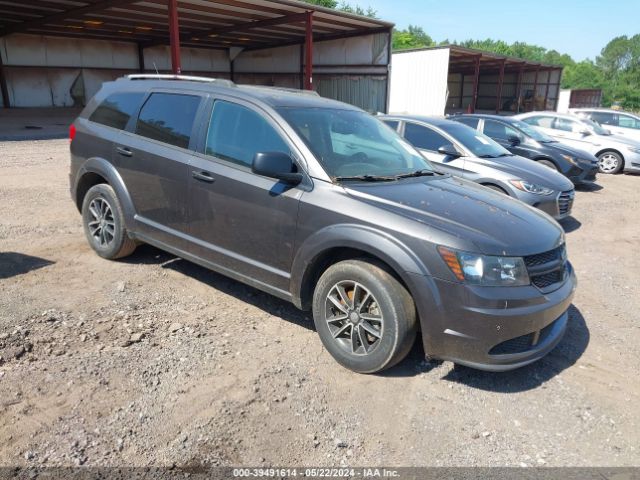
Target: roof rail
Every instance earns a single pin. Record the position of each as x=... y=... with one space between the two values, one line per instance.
x=188 y=78
x=283 y=89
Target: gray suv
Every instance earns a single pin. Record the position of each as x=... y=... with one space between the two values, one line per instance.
x=321 y=204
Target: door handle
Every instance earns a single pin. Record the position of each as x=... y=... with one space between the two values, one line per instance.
x=203 y=176
x=125 y=152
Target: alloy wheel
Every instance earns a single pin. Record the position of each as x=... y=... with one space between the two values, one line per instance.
x=608 y=163
x=102 y=224
x=353 y=316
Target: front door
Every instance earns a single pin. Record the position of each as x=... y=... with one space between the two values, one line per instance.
x=241 y=221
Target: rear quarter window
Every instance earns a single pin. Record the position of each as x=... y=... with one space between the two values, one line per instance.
x=168 y=118
x=116 y=110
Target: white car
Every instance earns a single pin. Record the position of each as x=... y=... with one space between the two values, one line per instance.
x=615 y=153
x=619 y=123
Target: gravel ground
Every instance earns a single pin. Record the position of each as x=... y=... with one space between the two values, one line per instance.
x=155 y=361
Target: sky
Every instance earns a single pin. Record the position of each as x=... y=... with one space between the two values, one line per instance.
x=580 y=28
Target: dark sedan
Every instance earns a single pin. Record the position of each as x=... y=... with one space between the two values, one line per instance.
x=524 y=140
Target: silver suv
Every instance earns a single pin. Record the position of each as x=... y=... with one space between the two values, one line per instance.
x=619 y=123
x=614 y=153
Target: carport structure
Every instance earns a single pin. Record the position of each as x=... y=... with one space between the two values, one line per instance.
x=264 y=41
x=453 y=79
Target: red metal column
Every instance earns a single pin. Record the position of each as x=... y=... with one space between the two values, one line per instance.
x=519 y=88
x=546 y=92
x=308 y=43
x=535 y=88
x=174 y=36
x=461 y=91
x=476 y=80
x=500 y=83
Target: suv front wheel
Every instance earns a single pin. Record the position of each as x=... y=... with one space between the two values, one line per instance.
x=365 y=317
x=103 y=223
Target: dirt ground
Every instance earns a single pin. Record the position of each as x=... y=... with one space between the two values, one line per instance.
x=155 y=361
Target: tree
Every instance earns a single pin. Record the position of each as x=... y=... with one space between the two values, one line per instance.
x=412 y=37
x=345 y=7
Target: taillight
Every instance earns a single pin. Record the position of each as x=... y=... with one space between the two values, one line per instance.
x=72 y=132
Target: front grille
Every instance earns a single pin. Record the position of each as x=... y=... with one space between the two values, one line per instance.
x=546 y=257
x=548 y=279
x=523 y=343
x=547 y=269
x=565 y=202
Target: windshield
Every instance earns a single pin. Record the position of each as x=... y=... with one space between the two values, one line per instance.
x=596 y=128
x=532 y=132
x=477 y=143
x=351 y=143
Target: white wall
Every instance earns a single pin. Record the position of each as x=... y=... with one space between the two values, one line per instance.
x=564 y=101
x=419 y=82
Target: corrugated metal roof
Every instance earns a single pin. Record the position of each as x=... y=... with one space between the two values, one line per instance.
x=203 y=23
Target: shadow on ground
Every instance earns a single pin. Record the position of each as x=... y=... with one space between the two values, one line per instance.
x=12 y=264
x=148 y=255
x=570 y=224
x=589 y=187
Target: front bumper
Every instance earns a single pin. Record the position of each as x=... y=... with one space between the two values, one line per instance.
x=558 y=205
x=493 y=328
x=585 y=172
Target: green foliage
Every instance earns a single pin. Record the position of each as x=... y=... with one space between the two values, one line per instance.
x=412 y=37
x=345 y=7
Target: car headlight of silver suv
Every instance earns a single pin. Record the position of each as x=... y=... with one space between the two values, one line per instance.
x=490 y=271
x=531 y=187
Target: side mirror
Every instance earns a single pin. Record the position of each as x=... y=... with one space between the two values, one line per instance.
x=514 y=140
x=276 y=165
x=449 y=151
x=585 y=133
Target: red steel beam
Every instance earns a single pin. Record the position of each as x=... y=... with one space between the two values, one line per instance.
x=519 y=88
x=546 y=92
x=500 y=82
x=476 y=81
x=174 y=36
x=308 y=43
x=535 y=88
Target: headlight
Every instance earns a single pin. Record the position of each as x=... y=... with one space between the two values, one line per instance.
x=485 y=270
x=634 y=149
x=570 y=159
x=531 y=187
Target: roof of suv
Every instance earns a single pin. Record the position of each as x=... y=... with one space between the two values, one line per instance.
x=502 y=118
x=272 y=96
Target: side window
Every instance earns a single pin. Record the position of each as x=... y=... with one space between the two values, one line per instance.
x=496 y=130
x=626 y=121
x=237 y=133
x=168 y=118
x=392 y=124
x=603 y=118
x=469 y=121
x=423 y=137
x=567 y=125
x=116 y=110
x=544 y=122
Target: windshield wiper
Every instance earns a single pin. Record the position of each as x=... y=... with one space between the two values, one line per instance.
x=417 y=173
x=505 y=155
x=366 y=178
x=487 y=155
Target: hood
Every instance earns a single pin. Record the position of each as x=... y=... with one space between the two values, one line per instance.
x=474 y=217
x=529 y=170
x=626 y=141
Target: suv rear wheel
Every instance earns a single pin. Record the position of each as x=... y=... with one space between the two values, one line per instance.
x=103 y=223
x=365 y=318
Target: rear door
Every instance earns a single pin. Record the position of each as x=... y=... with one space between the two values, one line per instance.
x=153 y=157
x=504 y=134
x=428 y=141
x=242 y=221
x=572 y=133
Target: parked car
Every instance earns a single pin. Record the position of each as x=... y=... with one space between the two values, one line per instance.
x=462 y=151
x=524 y=140
x=613 y=152
x=320 y=204
x=617 y=122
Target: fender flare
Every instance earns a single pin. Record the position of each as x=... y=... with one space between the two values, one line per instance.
x=105 y=169
x=404 y=262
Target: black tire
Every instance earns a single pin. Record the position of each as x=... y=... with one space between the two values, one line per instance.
x=548 y=164
x=389 y=301
x=105 y=231
x=610 y=162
